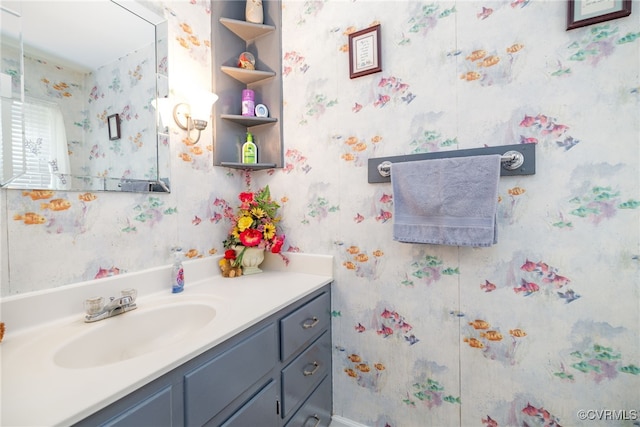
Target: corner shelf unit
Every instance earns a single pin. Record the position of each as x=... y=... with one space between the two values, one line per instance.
x=231 y=36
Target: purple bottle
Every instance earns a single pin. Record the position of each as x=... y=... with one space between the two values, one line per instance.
x=248 y=102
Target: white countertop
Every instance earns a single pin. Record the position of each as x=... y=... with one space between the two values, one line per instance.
x=38 y=392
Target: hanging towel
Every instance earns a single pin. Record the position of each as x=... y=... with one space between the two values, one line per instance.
x=451 y=201
x=134 y=185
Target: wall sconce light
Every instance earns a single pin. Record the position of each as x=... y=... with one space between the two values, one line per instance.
x=194 y=117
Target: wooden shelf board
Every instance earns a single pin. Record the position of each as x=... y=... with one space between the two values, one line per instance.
x=255 y=166
x=249 y=121
x=247 y=30
x=247 y=76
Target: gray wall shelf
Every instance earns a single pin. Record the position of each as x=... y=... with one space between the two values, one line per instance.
x=232 y=35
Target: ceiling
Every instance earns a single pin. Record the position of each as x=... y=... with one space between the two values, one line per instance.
x=87 y=34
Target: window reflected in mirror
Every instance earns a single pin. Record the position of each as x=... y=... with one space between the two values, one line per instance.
x=56 y=131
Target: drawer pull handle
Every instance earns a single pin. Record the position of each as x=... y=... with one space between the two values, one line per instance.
x=306 y=373
x=315 y=417
x=310 y=323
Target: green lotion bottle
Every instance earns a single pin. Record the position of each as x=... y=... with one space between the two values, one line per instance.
x=249 y=151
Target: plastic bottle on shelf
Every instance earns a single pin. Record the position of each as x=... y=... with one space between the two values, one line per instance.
x=248 y=102
x=249 y=151
x=254 y=11
x=177 y=271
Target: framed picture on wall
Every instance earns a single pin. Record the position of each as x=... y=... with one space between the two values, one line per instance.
x=113 y=122
x=364 y=52
x=588 y=12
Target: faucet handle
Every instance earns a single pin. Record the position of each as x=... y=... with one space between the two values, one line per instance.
x=93 y=305
x=130 y=292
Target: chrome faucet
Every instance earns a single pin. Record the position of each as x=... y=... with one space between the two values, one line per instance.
x=97 y=310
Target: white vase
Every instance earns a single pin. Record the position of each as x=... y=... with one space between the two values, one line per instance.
x=251 y=259
x=254 y=12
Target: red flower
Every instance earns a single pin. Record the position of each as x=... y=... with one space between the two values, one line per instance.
x=278 y=241
x=230 y=254
x=250 y=237
x=246 y=199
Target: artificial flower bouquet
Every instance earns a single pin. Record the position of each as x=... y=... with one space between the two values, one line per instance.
x=254 y=225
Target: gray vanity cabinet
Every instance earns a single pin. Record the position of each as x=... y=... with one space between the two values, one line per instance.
x=154 y=410
x=314 y=411
x=259 y=411
x=210 y=388
x=305 y=348
x=304 y=373
x=275 y=373
x=304 y=324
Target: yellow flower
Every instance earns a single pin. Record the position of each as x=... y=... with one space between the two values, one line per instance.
x=244 y=223
x=269 y=231
x=258 y=212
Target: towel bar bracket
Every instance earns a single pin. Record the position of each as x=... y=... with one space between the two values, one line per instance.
x=384 y=168
x=512 y=160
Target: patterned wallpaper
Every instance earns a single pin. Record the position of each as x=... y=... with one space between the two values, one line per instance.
x=527 y=332
x=122 y=88
x=531 y=330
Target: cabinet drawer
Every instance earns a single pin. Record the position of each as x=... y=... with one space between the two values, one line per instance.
x=305 y=372
x=316 y=411
x=259 y=411
x=305 y=323
x=212 y=386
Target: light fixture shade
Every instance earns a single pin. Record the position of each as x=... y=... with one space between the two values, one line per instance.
x=201 y=104
x=193 y=115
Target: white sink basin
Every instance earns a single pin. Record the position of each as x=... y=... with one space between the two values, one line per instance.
x=133 y=334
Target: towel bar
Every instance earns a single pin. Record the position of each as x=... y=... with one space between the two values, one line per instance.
x=518 y=159
x=511 y=160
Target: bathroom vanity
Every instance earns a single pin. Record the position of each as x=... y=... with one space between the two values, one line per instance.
x=263 y=358
x=259 y=377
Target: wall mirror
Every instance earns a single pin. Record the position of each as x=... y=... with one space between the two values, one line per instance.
x=79 y=82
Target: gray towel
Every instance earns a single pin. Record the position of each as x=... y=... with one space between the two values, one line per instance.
x=134 y=185
x=451 y=201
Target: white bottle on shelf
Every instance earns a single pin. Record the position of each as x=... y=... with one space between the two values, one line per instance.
x=254 y=12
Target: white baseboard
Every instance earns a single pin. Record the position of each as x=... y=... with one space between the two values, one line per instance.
x=338 y=421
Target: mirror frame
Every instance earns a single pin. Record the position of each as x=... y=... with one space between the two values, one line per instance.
x=153 y=14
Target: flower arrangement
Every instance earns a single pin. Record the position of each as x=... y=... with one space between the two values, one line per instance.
x=254 y=225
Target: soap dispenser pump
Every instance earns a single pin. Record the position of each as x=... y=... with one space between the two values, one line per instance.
x=249 y=151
